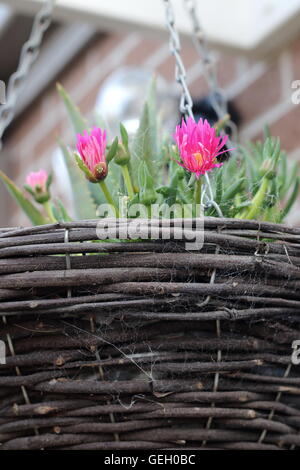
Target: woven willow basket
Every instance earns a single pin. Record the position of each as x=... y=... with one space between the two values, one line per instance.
x=144 y=345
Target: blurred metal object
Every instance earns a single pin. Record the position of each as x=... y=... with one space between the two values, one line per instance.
x=217 y=98
x=29 y=54
x=5 y=16
x=122 y=97
x=2 y=92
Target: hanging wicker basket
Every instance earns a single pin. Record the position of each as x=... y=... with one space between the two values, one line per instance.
x=144 y=345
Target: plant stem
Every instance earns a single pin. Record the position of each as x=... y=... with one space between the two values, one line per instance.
x=49 y=212
x=258 y=200
x=127 y=180
x=108 y=197
x=198 y=186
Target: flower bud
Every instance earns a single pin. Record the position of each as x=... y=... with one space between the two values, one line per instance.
x=122 y=156
x=267 y=169
x=100 y=171
x=92 y=157
x=148 y=194
x=148 y=197
x=37 y=184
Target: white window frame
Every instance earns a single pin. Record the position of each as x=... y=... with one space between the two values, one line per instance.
x=249 y=26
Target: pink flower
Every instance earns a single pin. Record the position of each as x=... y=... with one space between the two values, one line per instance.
x=199 y=146
x=37 y=180
x=91 y=148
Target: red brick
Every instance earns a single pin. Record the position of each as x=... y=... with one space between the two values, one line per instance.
x=101 y=47
x=74 y=73
x=226 y=69
x=87 y=103
x=260 y=95
x=287 y=128
x=199 y=87
x=167 y=69
x=50 y=99
x=140 y=53
x=295 y=54
x=48 y=142
x=25 y=124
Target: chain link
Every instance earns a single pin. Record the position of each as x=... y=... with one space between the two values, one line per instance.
x=29 y=54
x=186 y=102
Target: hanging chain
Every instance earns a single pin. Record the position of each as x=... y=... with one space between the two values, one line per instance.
x=218 y=99
x=186 y=102
x=29 y=54
x=210 y=72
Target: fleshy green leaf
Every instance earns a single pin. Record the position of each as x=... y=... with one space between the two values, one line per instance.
x=78 y=121
x=292 y=199
x=82 y=166
x=49 y=182
x=219 y=185
x=124 y=135
x=112 y=150
x=30 y=210
x=233 y=189
x=29 y=189
x=60 y=212
x=145 y=143
x=85 y=208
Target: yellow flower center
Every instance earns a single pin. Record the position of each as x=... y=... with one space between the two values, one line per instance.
x=199 y=158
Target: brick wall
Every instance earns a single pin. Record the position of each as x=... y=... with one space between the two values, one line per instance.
x=261 y=91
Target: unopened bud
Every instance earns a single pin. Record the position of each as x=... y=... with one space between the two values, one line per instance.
x=100 y=171
x=267 y=169
x=122 y=156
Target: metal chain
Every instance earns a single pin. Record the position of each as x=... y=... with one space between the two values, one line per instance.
x=29 y=54
x=186 y=102
x=217 y=98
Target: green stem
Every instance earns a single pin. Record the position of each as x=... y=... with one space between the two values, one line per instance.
x=258 y=200
x=108 y=197
x=198 y=186
x=127 y=180
x=48 y=209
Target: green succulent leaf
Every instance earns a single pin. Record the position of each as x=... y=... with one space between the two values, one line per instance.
x=219 y=185
x=78 y=121
x=60 y=212
x=148 y=194
x=49 y=181
x=29 y=189
x=233 y=189
x=85 y=207
x=82 y=166
x=112 y=150
x=124 y=136
x=145 y=143
x=292 y=199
